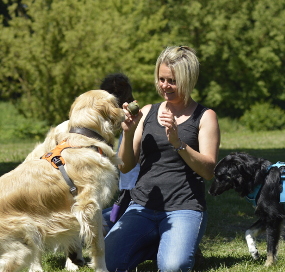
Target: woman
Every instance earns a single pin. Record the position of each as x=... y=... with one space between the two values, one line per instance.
x=176 y=142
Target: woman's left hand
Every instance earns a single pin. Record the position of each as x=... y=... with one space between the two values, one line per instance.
x=168 y=120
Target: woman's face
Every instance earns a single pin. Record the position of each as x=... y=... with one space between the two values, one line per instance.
x=167 y=83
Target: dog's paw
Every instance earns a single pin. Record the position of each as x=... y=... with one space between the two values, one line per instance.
x=102 y=268
x=36 y=269
x=255 y=255
x=70 y=266
x=270 y=261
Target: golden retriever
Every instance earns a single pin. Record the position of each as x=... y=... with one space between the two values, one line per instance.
x=37 y=210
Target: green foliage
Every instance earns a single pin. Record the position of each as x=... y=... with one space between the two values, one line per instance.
x=241 y=45
x=264 y=116
x=15 y=126
x=228 y=125
x=68 y=46
x=54 y=50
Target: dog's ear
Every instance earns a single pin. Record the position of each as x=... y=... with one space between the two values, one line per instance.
x=240 y=178
x=112 y=114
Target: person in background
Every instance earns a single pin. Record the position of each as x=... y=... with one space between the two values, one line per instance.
x=176 y=142
x=119 y=85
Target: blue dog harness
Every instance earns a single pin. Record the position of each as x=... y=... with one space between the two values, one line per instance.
x=252 y=197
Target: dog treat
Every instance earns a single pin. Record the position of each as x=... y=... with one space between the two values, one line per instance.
x=133 y=108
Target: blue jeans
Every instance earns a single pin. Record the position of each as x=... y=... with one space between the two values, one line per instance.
x=106 y=215
x=141 y=233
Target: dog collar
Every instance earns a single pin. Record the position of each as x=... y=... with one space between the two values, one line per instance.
x=88 y=133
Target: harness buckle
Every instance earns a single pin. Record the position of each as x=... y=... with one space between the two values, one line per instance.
x=73 y=191
x=57 y=161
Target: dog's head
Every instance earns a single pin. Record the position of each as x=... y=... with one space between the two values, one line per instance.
x=98 y=111
x=238 y=171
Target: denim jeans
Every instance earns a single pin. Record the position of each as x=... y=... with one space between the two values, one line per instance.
x=143 y=234
x=106 y=215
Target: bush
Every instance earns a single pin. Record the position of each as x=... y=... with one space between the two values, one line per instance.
x=264 y=116
x=228 y=125
x=15 y=126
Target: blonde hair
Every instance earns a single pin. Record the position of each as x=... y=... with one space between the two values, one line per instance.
x=184 y=64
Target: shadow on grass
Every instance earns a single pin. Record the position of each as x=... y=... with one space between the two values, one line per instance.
x=56 y=262
x=207 y=263
x=215 y=262
x=6 y=167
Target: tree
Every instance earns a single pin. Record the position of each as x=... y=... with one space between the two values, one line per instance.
x=241 y=48
x=65 y=47
x=54 y=50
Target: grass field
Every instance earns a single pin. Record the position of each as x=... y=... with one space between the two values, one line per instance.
x=223 y=245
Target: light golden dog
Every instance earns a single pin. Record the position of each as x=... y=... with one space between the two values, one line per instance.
x=37 y=210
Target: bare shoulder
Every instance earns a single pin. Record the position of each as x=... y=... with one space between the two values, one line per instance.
x=209 y=116
x=146 y=108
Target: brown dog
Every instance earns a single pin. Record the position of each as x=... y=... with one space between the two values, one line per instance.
x=37 y=210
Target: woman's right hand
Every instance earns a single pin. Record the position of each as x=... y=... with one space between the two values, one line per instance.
x=131 y=121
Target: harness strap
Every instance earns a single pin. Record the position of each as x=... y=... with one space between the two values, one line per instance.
x=253 y=197
x=57 y=161
x=282 y=181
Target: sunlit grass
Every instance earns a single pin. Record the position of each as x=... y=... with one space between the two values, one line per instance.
x=223 y=246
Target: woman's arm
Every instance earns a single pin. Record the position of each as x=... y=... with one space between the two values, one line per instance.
x=203 y=162
x=129 y=150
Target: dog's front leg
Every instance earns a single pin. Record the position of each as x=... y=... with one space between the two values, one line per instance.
x=36 y=262
x=89 y=215
x=273 y=234
x=74 y=257
x=250 y=235
x=98 y=245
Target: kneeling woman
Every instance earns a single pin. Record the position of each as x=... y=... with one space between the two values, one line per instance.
x=176 y=143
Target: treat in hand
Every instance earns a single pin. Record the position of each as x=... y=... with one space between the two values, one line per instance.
x=133 y=108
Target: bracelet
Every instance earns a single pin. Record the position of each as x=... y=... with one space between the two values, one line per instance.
x=181 y=147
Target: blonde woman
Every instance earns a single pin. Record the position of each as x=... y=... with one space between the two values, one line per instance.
x=176 y=142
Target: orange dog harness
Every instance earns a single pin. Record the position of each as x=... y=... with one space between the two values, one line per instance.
x=57 y=161
x=54 y=157
x=56 y=152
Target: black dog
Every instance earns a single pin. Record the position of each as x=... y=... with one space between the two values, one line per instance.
x=250 y=176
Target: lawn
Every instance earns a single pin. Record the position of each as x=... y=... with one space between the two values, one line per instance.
x=223 y=245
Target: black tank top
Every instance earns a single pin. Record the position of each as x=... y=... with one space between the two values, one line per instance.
x=165 y=181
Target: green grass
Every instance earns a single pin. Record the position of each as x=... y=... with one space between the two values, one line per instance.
x=223 y=245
